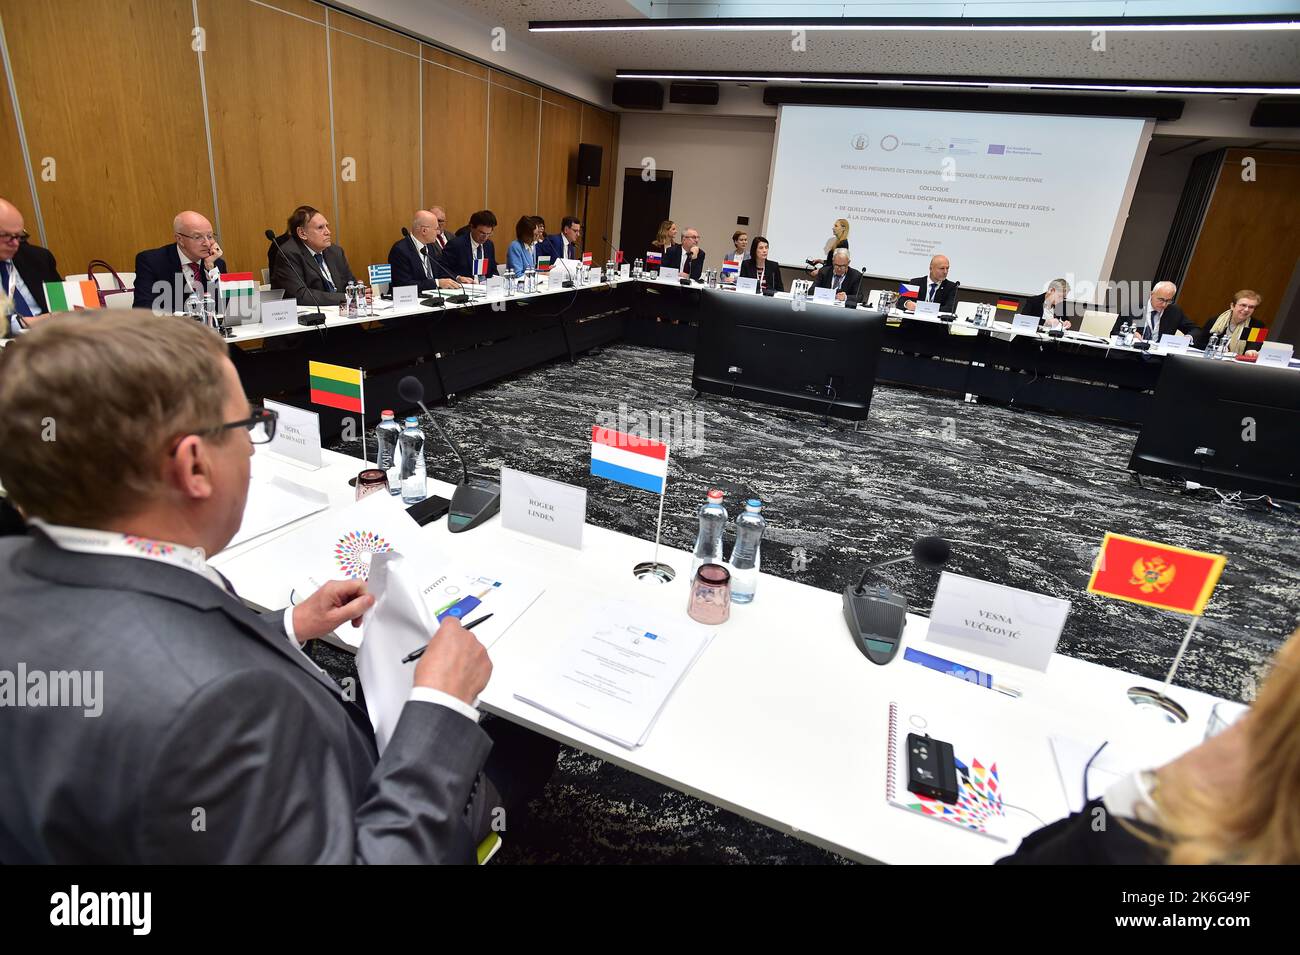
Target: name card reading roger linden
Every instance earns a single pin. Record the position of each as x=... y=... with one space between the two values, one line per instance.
x=543 y=508
x=1016 y=626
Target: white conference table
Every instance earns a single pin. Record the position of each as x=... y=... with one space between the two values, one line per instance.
x=781 y=720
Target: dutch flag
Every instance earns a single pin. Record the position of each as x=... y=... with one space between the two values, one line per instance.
x=730 y=268
x=629 y=459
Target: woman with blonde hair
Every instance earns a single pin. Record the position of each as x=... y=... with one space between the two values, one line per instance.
x=839 y=240
x=1237 y=322
x=1233 y=800
x=666 y=236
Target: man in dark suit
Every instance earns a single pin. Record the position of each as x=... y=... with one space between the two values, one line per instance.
x=192 y=265
x=689 y=253
x=1048 y=305
x=464 y=255
x=836 y=274
x=200 y=731
x=414 y=258
x=1158 y=316
x=307 y=251
x=24 y=270
x=565 y=243
x=935 y=287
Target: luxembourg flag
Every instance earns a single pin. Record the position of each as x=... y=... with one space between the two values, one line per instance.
x=907 y=291
x=70 y=296
x=586 y=258
x=654 y=258
x=629 y=459
x=730 y=269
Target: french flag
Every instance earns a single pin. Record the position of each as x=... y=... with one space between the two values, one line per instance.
x=629 y=459
x=481 y=267
x=653 y=258
x=907 y=291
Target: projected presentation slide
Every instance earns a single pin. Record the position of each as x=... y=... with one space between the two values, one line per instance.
x=1013 y=200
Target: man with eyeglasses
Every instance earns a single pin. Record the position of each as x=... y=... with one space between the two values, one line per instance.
x=24 y=270
x=836 y=275
x=191 y=265
x=687 y=258
x=206 y=706
x=1158 y=316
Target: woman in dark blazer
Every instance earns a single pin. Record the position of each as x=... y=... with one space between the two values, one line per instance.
x=759 y=262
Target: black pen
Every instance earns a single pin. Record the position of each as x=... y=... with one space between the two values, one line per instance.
x=416 y=654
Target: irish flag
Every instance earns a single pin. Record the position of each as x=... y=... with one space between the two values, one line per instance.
x=336 y=386
x=654 y=258
x=629 y=459
x=237 y=285
x=70 y=296
x=907 y=291
x=1008 y=305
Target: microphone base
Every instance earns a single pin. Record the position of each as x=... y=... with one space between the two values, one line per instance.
x=472 y=503
x=875 y=617
x=312 y=319
x=459 y=298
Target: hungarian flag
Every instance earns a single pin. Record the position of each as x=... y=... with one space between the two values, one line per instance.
x=586 y=258
x=653 y=258
x=336 y=386
x=543 y=263
x=70 y=296
x=1155 y=575
x=1257 y=335
x=1008 y=305
x=238 y=285
x=907 y=291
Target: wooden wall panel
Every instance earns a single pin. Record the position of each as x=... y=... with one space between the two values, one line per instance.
x=512 y=157
x=600 y=128
x=14 y=184
x=557 y=193
x=455 y=142
x=123 y=121
x=268 y=98
x=377 y=126
x=1250 y=237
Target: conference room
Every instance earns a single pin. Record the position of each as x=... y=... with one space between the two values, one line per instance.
x=598 y=434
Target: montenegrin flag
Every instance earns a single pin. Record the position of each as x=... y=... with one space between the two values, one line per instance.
x=1257 y=335
x=730 y=268
x=1008 y=305
x=69 y=296
x=586 y=258
x=237 y=285
x=629 y=459
x=907 y=291
x=336 y=386
x=653 y=258
x=1155 y=575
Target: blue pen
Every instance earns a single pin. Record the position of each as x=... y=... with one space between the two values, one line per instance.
x=969 y=674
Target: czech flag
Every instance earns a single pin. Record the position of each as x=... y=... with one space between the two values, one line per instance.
x=907 y=291
x=1257 y=335
x=654 y=258
x=1008 y=305
x=629 y=459
x=1155 y=575
x=586 y=258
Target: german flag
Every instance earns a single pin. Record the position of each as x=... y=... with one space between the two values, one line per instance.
x=1155 y=575
x=1009 y=304
x=335 y=386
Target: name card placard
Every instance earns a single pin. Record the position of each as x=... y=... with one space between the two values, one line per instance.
x=746 y=285
x=1005 y=623
x=1276 y=354
x=495 y=284
x=824 y=295
x=1175 y=344
x=669 y=274
x=927 y=308
x=297 y=433
x=406 y=296
x=1025 y=324
x=625 y=271
x=282 y=313
x=540 y=507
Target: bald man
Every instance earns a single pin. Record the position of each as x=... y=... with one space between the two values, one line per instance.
x=414 y=257
x=1158 y=316
x=24 y=270
x=165 y=278
x=935 y=287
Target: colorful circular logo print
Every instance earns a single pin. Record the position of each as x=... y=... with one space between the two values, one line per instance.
x=354 y=550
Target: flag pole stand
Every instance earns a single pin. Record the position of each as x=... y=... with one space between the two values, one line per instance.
x=1158 y=701
x=652 y=571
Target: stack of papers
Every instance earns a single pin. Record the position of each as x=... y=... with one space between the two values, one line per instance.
x=617 y=671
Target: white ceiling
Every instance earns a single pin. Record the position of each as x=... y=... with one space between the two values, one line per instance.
x=1215 y=56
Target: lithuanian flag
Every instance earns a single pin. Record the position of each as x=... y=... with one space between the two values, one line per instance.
x=1257 y=335
x=1009 y=304
x=1155 y=575
x=69 y=296
x=336 y=386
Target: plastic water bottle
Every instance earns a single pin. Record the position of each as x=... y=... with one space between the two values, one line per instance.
x=387 y=434
x=210 y=310
x=410 y=463
x=708 y=543
x=745 y=552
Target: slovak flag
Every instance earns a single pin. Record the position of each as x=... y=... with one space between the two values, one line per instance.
x=653 y=258
x=586 y=258
x=730 y=269
x=629 y=459
x=907 y=291
x=543 y=263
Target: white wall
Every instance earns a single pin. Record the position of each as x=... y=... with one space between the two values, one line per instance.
x=719 y=164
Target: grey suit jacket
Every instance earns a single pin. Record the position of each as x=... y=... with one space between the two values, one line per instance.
x=288 y=269
x=217 y=741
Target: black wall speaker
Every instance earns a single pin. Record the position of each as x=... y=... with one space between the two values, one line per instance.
x=694 y=94
x=1273 y=111
x=638 y=94
x=589 y=156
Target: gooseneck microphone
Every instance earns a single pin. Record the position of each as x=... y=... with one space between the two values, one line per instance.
x=475 y=499
x=311 y=318
x=876 y=615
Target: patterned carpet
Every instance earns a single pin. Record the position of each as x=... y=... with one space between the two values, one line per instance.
x=1023 y=496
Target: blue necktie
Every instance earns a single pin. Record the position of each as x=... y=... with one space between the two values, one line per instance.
x=320 y=267
x=428 y=269
x=20 y=300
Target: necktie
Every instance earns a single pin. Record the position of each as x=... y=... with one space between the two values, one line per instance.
x=1155 y=327
x=934 y=287
x=324 y=273
x=836 y=284
x=20 y=300
x=198 y=276
x=428 y=267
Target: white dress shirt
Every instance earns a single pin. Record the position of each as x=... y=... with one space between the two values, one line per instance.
x=424 y=259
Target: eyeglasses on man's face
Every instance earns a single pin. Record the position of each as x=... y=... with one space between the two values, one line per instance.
x=198 y=236
x=15 y=236
x=260 y=425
